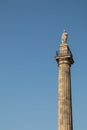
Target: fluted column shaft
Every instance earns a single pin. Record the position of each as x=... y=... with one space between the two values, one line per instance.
x=64 y=97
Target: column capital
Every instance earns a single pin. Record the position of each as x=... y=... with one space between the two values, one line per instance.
x=64 y=56
x=67 y=59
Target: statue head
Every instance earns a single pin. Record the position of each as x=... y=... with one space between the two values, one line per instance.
x=64 y=37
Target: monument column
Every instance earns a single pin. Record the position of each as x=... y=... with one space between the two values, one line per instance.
x=64 y=60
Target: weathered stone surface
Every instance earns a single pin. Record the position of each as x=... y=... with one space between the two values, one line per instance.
x=64 y=60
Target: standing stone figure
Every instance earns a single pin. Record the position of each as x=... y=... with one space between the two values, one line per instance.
x=64 y=37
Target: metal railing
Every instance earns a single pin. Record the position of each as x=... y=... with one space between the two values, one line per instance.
x=64 y=53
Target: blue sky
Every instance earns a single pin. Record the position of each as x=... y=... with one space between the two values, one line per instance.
x=30 y=33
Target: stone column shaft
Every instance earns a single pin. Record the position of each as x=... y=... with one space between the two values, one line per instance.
x=64 y=98
x=64 y=60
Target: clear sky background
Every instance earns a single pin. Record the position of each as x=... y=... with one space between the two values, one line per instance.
x=30 y=33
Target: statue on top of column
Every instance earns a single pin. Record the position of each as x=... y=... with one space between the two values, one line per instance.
x=64 y=37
